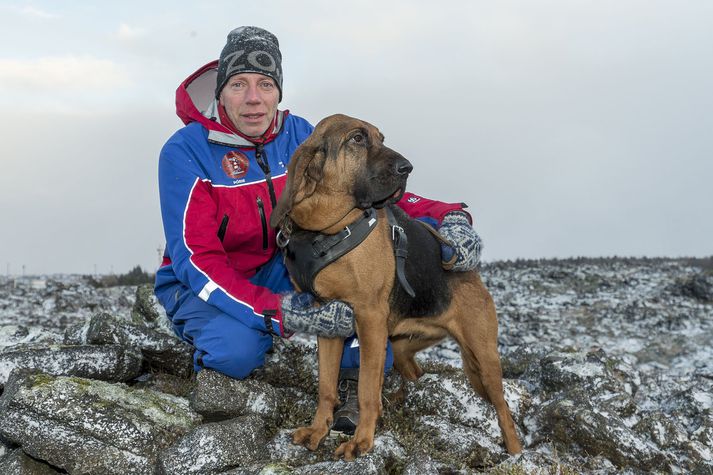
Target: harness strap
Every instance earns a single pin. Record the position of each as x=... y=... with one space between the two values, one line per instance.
x=447 y=265
x=308 y=252
x=398 y=235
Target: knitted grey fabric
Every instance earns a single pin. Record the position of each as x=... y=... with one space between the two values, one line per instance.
x=456 y=228
x=332 y=319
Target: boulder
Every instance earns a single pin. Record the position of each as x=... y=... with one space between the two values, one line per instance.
x=572 y=420
x=215 y=447
x=261 y=469
x=19 y=463
x=218 y=397
x=144 y=309
x=448 y=395
x=531 y=462
x=5 y=448
x=91 y=427
x=608 y=383
x=76 y=334
x=699 y=286
x=561 y=370
x=666 y=432
x=281 y=449
x=106 y=362
x=161 y=350
x=291 y=365
x=700 y=450
x=386 y=457
x=423 y=464
x=462 y=444
x=166 y=383
x=523 y=362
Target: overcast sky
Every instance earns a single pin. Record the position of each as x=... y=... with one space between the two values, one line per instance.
x=570 y=127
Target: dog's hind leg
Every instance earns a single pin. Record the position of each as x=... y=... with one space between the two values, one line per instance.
x=477 y=334
x=405 y=348
x=330 y=355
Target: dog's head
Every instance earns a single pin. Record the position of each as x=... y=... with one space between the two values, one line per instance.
x=342 y=165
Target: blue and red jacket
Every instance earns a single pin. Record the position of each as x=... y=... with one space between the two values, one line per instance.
x=216 y=204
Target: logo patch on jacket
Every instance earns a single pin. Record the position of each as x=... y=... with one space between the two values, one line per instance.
x=235 y=164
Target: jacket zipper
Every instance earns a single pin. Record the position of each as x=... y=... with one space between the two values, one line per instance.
x=261 y=159
x=263 y=221
x=223 y=227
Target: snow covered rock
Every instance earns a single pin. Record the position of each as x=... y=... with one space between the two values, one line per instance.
x=608 y=383
x=106 y=362
x=666 y=432
x=534 y=463
x=700 y=451
x=19 y=463
x=386 y=456
x=160 y=350
x=458 y=410
x=91 y=427
x=423 y=464
x=698 y=286
x=575 y=421
x=214 y=447
x=608 y=367
x=471 y=447
x=218 y=397
x=144 y=309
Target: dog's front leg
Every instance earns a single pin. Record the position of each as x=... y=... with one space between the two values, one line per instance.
x=372 y=355
x=329 y=352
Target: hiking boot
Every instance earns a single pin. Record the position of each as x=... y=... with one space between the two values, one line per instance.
x=346 y=416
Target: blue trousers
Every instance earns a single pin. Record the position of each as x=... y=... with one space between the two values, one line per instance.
x=223 y=342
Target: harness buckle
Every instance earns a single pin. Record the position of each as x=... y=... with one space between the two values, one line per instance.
x=349 y=232
x=281 y=240
x=396 y=229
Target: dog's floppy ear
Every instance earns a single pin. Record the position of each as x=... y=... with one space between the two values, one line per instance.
x=283 y=205
x=303 y=174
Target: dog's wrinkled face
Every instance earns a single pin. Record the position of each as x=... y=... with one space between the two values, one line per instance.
x=344 y=164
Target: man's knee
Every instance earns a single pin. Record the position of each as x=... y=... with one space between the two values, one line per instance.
x=231 y=348
x=237 y=365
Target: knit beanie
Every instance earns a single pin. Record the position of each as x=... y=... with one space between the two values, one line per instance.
x=250 y=49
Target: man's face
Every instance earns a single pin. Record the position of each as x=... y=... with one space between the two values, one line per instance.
x=250 y=100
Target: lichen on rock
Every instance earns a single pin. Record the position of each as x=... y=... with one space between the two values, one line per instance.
x=90 y=426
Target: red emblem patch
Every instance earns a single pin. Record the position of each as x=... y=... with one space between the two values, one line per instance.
x=235 y=164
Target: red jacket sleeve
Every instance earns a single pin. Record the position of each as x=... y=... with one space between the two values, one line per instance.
x=420 y=207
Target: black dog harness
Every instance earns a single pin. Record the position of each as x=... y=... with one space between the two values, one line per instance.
x=308 y=252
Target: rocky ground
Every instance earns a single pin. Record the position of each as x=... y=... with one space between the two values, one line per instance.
x=608 y=369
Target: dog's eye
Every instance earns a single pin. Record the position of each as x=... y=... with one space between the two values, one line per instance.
x=357 y=138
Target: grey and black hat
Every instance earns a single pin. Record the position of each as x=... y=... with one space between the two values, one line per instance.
x=250 y=49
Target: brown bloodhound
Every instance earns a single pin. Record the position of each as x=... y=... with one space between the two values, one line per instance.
x=342 y=169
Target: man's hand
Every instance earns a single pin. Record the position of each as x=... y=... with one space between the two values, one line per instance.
x=333 y=319
x=467 y=245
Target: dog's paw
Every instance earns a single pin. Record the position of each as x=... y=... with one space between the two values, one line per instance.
x=309 y=437
x=354 y=447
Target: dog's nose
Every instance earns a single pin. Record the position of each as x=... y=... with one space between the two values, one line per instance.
x=403 y=166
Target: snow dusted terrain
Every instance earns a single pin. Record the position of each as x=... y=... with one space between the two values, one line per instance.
x=608 y=366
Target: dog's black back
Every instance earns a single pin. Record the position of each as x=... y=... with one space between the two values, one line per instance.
x=424 y=273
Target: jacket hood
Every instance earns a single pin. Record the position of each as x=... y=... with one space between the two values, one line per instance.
x=196 y=102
